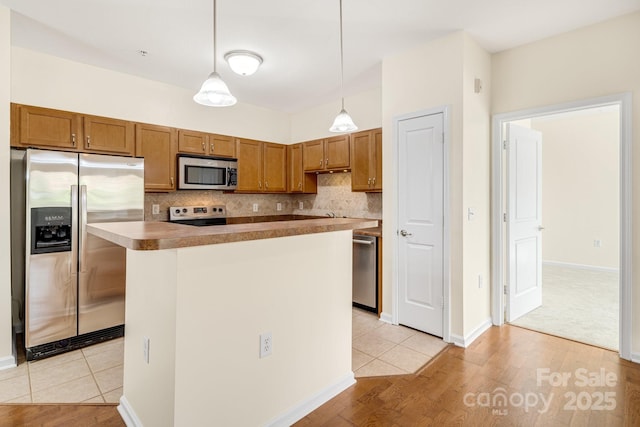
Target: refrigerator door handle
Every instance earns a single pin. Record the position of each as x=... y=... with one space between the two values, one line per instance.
x=73 y=266
x=83 y=227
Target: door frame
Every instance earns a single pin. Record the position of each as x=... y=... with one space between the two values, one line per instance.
x=446 y=292
x=624 y=101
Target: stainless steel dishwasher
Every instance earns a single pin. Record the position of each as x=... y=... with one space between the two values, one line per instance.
x=365 y=272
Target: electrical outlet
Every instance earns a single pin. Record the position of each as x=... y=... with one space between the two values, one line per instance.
x=255 y=207
x=266 y=344
x=155 y=209
x=145 y=349
x=301 y=205
x=278 y=206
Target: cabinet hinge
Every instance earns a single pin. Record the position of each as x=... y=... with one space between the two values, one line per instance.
x=442 y=303
x=504 y=145
x=504 y=217
x=506 y=289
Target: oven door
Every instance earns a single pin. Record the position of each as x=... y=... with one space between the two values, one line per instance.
x=196 y=173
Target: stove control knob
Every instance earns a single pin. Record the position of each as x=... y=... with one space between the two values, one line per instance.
x=214 y=210
x=177 y=211
x=184 y=210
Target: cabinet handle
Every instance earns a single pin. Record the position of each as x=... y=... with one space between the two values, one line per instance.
x=73 y=139
x=320 y=161
x=259 y=184
x=88 y=141
x=172 y=181
x=266 y=184
x=300 y=185
x=326 y=162
x=203 y=147
x=374 y=181
x=369 y=182
x=211 y=148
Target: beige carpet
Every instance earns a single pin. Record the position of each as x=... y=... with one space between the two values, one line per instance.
x=578 y=304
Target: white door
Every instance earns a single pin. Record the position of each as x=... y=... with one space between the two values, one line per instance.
x=420 y=223
x=524 y=216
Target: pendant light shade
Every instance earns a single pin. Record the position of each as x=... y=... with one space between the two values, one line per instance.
x=214 y=92
x=343 y=122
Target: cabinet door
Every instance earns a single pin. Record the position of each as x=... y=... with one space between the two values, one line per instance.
x=274 y=167
x=44 y=127
x=192 y=142
x=222 y=146
x=313 y=155
x=376 y=162
x=298 y=181
x=361 y=174
x=249 y=153
x=158 y=145
x=105 y=135
x=337 y=152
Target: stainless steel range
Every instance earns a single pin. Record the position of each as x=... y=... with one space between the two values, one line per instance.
x=198 y=215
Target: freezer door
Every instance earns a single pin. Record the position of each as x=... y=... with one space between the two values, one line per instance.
x=50 y=279
x=111 y=189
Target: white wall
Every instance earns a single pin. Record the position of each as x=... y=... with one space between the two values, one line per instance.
x=49 y=81
x=6 y=356
x=211 y=303
x=365 y=110
x=594 y=61
x=580 y=188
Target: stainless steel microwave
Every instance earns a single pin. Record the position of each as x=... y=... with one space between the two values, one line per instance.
x=206 y=173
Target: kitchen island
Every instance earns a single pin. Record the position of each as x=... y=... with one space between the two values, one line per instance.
x=197 y=301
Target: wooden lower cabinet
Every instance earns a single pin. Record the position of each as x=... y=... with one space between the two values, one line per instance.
x=158 y=145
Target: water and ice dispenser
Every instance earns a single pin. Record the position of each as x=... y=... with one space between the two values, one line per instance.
x=50 y=230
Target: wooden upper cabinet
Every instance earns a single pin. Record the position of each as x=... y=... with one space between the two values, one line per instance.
x=366 y=160
x=249 y=154
x=158 y=145
x=194 y=142
x=298 y=181
x=326 y=154
x=222 y=146
x=275 y=167
x=336 y=152
x=44 y=127
x=105 y=135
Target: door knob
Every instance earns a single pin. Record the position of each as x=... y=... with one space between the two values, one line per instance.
x=540 y=228
x=405 y=233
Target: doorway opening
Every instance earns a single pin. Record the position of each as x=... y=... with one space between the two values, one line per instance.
x=585 y=184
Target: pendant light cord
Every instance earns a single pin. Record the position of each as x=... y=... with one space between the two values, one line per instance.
x=341 y=59
x=214 y=36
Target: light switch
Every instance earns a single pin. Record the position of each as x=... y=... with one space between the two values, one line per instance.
x=471 y=214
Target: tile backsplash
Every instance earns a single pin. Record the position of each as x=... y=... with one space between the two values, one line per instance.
x=334 y=195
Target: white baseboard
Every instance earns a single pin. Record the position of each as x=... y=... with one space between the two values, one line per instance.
x=128 y=414
x=7 y=362
x=580 y=266
x=386 y=317
x=310 y=404
x=466 y=341
x=635 y=357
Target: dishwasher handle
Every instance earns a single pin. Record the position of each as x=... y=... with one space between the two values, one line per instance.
x=363 y=242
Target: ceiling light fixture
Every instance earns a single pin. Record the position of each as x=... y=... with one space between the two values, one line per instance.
x=342 y=122
x=243 y=62
x=214 y=92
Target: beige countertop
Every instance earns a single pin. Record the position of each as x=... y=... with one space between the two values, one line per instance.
x=141 y=235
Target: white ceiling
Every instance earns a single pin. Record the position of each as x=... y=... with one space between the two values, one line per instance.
x=298 y=39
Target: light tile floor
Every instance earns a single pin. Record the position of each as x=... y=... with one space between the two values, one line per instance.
x=89 y=375
x=381 y=349
x=94 y=374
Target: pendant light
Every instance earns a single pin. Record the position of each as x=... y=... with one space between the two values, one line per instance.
x=214 y=92
x=342 y=122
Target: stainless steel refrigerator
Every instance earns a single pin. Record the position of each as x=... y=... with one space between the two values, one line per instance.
x=74 y=281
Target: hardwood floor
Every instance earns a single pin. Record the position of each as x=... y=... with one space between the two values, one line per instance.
x=509 y=376
x=60 y=415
